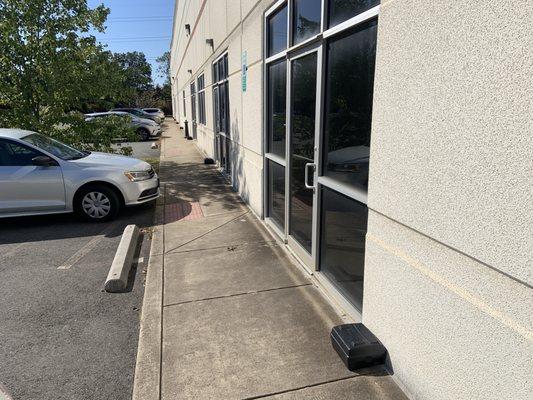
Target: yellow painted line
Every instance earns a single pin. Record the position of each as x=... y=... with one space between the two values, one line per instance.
x=87 y=248
x=459 y=291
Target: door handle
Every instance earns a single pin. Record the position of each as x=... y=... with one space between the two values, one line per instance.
x=306 y=175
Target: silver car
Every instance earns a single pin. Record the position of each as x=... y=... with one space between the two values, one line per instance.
x=155 y=111
x=139 y=112
x=40 y=175
x=145 y=128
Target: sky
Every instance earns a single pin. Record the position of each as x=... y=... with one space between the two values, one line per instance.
x=138 y=25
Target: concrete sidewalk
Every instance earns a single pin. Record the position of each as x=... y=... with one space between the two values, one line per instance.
x=227 y=314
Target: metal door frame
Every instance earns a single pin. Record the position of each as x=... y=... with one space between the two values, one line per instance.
x=309 y=260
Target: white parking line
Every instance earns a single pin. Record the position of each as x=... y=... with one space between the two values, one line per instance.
x=87 y=248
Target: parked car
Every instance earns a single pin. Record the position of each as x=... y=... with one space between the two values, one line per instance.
x=155 y=111
x=40 y=175
x=138 y=112
x=145 y=128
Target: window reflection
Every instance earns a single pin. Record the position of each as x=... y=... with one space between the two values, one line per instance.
x=348 y=105
x=276 y=187
x=303 y=96
x=342 y=244
x=277 y=32
x=306 y=19
x=277 y=80
x=341 y=10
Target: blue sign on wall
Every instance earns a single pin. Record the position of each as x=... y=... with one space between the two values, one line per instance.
x=244 y=70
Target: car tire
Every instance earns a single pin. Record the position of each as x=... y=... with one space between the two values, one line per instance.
x=143 y=133
x=97 y=203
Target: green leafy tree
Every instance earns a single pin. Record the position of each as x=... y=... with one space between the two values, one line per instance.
x=50 y=65
x=137 y=77
x=163 y=69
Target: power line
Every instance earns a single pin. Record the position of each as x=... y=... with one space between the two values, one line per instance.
x=144 y=17
x=140 y=20
x=134 y=39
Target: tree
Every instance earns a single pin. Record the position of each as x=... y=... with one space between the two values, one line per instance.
x=163 y=69
x=137 y=76
x=51 y=65
x=164 y=93
x=45 y=53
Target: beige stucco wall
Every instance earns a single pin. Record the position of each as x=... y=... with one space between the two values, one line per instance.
x=235 y=26
x=449 y=261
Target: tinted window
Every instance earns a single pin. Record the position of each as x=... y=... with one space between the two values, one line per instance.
x=277 y=32
x=303 y=141
x=306 y=19
x=342 y=250
x=54 y=147
x=276 y=187
x=14 y=154
x=341 y=10
x=277 y=81
x=348 y=105
x=201 y=100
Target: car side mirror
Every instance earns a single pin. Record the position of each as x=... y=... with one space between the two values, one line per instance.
x=43 y=161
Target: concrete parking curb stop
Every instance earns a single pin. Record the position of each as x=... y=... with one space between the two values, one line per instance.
x=146 y=384
x=117 y=278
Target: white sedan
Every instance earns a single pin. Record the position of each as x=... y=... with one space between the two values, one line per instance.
x=40 y=175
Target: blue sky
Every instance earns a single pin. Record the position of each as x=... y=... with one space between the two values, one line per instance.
x=138 y=25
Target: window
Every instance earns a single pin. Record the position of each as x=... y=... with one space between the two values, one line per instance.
x=54 y=147
x=306 y=19
x=276 y=188
x=342 y=10
x=342 y=250
x=184 y=105
x=201 y=99
x=348 y=105
x=316 y=171
x=14 y=154
x=221 y=112
x=220 y=94
x=303 y=93
x=277 y=32
x=277 y=81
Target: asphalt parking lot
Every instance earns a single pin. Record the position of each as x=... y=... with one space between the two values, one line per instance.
x=61 y=335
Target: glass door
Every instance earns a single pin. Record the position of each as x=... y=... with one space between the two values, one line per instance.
x=319 y=67
x=302 y=155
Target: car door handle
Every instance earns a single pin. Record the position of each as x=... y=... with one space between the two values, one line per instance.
x=306 y=175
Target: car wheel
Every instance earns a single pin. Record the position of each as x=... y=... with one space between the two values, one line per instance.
x=143 y=134
x=97 y=204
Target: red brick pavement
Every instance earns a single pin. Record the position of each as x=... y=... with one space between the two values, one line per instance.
x=184 y=211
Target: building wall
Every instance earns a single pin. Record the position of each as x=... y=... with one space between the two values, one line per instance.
x=236 y=27
x=449 y=259
x=449 y=256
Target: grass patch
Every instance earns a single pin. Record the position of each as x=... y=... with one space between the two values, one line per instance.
x=154 y=162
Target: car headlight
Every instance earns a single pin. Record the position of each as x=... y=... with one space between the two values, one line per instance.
x=136 y=176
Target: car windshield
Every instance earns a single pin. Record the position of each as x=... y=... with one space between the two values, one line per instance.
x=54 y=147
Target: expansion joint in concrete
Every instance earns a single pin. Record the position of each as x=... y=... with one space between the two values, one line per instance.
x=208 y=232
x=230 y=247
x=237 y=294
x=263 y=396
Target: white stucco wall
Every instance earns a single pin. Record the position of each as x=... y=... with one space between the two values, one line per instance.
x=235 y=26
x=449 y=261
